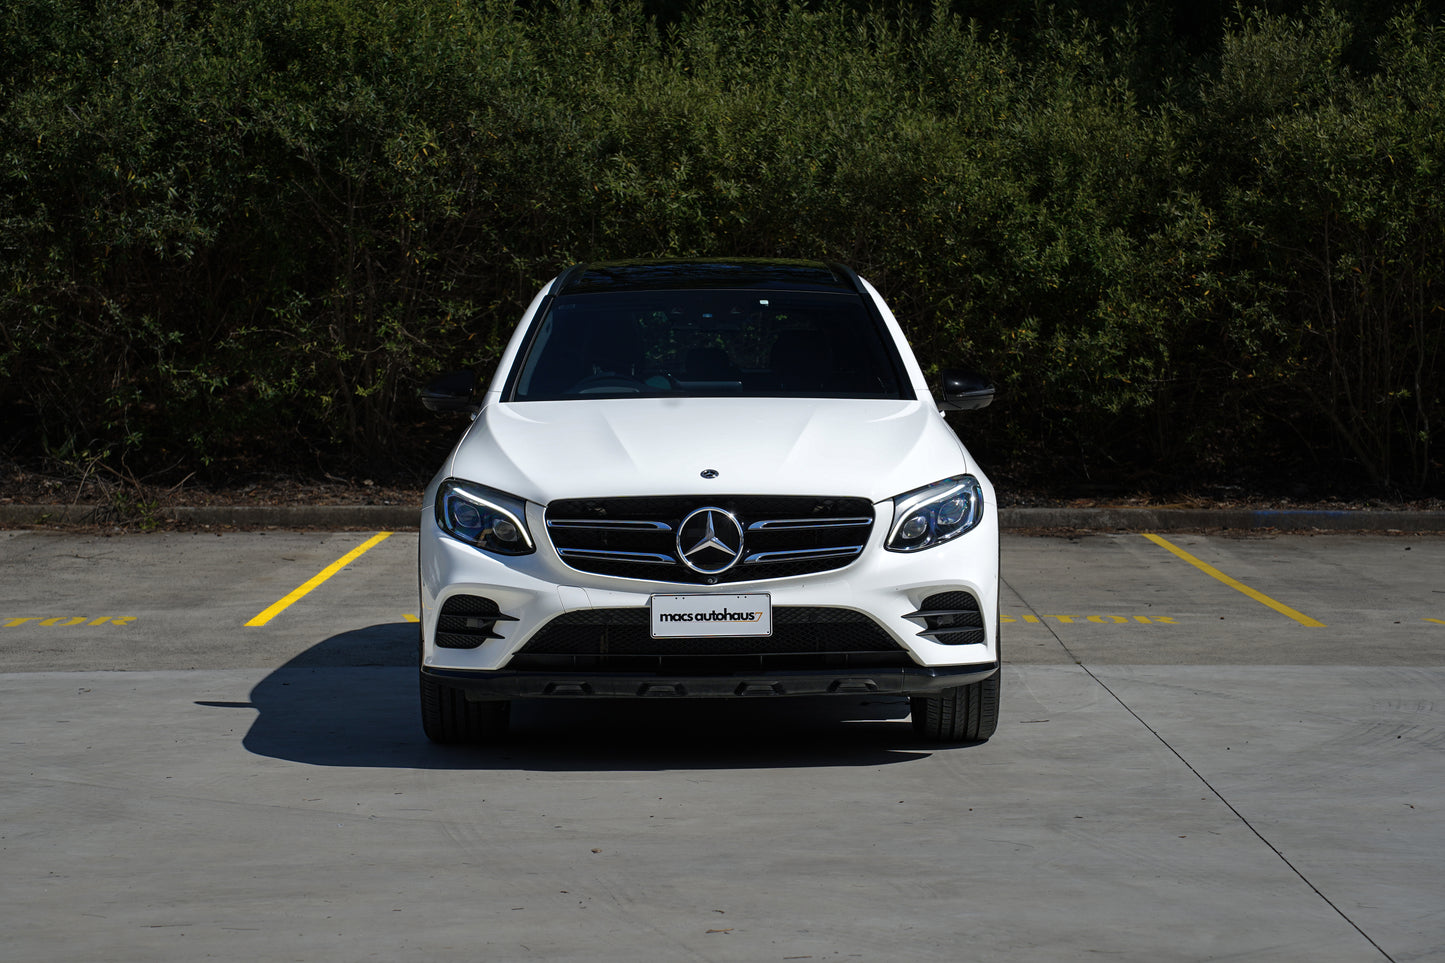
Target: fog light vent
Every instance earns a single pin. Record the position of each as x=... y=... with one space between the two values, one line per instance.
x=467 y=621
x=951 y=618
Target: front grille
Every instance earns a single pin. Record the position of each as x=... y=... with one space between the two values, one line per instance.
x=637 y=537
x=466 y=621
x=619 y=640
x=951 y=618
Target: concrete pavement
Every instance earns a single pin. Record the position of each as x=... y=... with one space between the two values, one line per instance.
x=1182 y=772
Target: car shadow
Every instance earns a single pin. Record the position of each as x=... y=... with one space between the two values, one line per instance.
x=351 y=700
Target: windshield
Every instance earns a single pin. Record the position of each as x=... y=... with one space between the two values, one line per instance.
x=718 y=342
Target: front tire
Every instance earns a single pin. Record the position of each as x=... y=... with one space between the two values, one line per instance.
x=448 y=717
x=965 y=713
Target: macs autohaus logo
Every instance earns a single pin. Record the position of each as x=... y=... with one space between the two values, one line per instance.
x=716 y=615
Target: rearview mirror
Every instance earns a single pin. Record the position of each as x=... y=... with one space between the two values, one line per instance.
x=452 y=391
x=965 y=390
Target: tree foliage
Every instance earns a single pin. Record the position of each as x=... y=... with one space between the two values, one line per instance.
x=1190 y=244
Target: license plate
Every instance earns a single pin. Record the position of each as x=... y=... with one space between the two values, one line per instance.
x=703 y=616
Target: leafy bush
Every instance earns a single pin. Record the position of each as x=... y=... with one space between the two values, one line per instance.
x=241 y=234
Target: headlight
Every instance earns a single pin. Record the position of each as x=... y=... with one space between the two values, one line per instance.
x=482 y=517
x=931 y=515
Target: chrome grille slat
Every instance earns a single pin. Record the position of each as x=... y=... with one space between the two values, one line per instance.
x=598 y=554
x=804 y=554
x=626 y=525
x=797 y=524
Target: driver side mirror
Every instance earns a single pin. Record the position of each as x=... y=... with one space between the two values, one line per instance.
x=965 y=390
x=453 y=391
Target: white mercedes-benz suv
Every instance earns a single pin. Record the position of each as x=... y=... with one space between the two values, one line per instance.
x=708 y=479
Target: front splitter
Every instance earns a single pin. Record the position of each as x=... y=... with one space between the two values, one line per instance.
x=505 y=684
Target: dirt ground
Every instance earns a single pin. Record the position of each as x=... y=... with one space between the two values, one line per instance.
x=126 y=501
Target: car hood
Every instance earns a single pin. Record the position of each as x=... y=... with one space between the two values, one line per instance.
x=542 y=451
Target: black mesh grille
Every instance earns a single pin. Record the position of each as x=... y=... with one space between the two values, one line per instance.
x=619 y=640
x=466 y=621
x=637 y=537
x=469 y=605
x=951 y=618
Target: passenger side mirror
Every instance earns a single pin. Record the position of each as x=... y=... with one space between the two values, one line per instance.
x=965 y=390
x=453 y=391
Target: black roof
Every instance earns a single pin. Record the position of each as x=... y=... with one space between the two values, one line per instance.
x=680 y=274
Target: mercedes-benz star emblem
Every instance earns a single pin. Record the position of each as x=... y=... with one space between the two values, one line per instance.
x=710 y=541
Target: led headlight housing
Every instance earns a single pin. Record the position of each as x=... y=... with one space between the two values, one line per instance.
x=930 y=516
x=481 y=516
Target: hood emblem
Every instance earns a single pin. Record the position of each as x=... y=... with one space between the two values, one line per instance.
x=709 y=473
x=710 y=541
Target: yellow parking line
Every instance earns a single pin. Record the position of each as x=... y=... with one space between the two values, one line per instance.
x=318 y=578
x=1238 y=586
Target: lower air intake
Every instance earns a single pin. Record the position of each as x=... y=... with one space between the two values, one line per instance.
x=466 y=621
x=951 y=618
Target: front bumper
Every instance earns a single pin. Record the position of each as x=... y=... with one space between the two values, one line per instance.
x=531 y=596
x=507 y=684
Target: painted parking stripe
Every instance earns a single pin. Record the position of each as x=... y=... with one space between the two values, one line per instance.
x=1238 y=586
x=320 y=577
x=1096 y=619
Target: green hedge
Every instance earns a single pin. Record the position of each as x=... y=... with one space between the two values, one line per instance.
x=245 y=233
